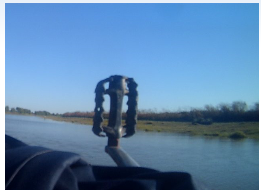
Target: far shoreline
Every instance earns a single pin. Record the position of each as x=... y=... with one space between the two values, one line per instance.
x=237 y=130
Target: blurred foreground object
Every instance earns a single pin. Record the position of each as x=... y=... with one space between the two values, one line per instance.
x=114 y=130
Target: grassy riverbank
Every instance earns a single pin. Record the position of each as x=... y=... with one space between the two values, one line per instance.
x=224 y=130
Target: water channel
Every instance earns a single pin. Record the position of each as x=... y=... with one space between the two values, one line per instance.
x=220 y=164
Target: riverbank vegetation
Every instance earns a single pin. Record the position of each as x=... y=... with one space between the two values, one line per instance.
x=234 y=130
x=225 y=120
x=235 y=112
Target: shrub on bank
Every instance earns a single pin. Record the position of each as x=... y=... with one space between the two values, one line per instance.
x=238 y=135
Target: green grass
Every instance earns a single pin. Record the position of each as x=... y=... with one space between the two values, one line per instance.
x=223 y=130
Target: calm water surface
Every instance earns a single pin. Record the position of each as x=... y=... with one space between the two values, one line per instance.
x=221 y=164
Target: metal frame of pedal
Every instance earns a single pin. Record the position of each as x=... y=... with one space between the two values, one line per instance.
x=114 y=130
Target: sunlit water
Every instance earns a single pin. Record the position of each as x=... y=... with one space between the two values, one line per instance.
x=221 y=164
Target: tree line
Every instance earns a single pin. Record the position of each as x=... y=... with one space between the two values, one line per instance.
x=236 y=112
x=19 y=110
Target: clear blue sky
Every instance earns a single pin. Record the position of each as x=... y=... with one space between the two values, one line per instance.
x=181 y=55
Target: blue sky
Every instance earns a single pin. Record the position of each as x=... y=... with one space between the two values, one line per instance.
x=181 y=55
